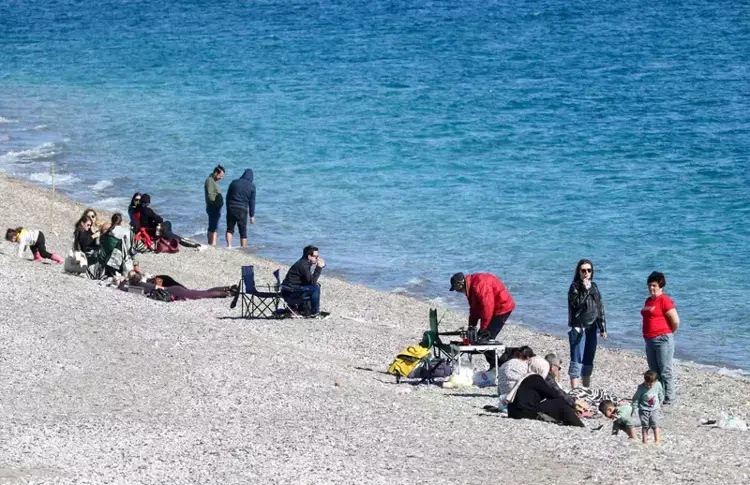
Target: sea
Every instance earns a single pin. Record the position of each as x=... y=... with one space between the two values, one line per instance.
x=411 y=140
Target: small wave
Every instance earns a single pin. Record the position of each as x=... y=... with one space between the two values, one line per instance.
x=40 y=128
x=6 y=120
x=102 y=185
x=113 y=203
x=4 y=138
x=421 y=282
x=400 y=290
x=45 y=178
x=44 y=151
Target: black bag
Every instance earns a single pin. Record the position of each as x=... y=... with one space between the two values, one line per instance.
x=160 y=294
x=431 y=369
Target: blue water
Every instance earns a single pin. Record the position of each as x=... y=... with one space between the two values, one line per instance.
x=410 y=140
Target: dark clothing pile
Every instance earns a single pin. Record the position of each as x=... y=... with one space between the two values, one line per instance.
x=585 y=307
x=302 y=274
x=241 y=194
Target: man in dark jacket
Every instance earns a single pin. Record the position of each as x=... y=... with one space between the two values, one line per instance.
x=240 y=203
x=301 y=280
x=489 y=303
x=149 y=219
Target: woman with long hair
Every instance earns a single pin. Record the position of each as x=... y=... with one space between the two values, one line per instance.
x=134 y=207
x=586 y=320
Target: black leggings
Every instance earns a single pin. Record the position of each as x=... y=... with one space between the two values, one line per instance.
x=40 y=248
x=530 y=401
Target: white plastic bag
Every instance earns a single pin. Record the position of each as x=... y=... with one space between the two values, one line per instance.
x=483 y=378
x=730 y=422
x=462 y=378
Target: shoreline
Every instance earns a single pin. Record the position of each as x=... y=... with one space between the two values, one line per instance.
x=106 y=386
x=734 y=372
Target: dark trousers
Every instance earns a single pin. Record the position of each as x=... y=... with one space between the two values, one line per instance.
x=493 y=329
x=295 y=295
x=40 y=248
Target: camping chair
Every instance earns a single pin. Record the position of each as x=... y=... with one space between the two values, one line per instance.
x=431 y=339
x=255 y=303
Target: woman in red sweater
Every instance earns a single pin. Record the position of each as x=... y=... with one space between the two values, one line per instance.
x=660 y=322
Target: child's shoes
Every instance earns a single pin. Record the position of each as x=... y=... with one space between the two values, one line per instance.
x=37 y=258
x=57 y=259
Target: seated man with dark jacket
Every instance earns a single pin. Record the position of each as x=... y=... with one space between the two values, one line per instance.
x=149 y=219
x=301 y=281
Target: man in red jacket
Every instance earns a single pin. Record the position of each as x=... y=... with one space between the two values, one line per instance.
x=489 y=302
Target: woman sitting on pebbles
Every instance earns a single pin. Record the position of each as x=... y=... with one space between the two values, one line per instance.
x=176 y=292
x=533 y=398
x=85 y=239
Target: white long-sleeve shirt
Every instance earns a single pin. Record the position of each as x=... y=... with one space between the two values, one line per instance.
x=27 y=238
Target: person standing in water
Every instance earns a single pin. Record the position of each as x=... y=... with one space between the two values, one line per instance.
x=214 y=202
x=240 y=205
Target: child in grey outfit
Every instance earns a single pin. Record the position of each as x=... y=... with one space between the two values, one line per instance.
x=647 y=400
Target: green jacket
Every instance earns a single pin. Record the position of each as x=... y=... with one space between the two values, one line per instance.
x=213 y=193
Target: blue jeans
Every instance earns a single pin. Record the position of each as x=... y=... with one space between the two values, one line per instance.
x=659 y=354
x=295 y=295
x=582 y=351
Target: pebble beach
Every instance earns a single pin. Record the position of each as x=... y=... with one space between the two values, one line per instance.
x=103 y=386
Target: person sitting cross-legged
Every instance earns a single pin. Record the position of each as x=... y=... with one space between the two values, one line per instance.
x=301 y=281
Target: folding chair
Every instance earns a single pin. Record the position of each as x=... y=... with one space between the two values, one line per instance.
x=255 y=303
x=431 y=339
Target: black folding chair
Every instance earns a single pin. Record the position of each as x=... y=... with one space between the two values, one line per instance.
x=255 y=303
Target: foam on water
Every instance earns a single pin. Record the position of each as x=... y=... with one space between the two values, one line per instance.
x=102 y=185
x=45 y=178
x=6 y=120
x=113 y=204
x=45 y=151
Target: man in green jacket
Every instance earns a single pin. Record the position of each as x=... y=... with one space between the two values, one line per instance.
x=214 y=202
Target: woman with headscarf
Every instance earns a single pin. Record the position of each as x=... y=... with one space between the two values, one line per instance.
x=533 y=398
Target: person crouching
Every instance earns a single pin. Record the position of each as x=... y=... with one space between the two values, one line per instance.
x=32 y=239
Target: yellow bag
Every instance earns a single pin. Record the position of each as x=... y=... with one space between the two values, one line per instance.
x=406 y=361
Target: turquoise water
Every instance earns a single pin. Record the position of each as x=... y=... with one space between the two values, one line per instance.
x=413 y=141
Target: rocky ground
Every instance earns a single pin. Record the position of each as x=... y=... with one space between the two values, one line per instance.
x=102 y=386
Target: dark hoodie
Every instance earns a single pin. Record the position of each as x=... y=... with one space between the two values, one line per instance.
x=241 y=193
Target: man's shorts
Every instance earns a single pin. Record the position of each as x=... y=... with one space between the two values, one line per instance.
x=214 y=214
x=650 y=419
x=239 y=218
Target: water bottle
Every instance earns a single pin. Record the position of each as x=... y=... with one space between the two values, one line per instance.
x=472 y=335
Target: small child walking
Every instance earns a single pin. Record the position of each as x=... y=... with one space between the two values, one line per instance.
x=622 y=416
x=32 y=239
x=647 y=400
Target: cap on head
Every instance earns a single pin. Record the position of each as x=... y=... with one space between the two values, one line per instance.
x=553 y=359
x=458 y=282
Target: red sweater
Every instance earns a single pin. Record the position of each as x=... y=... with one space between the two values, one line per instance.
x=487 y=297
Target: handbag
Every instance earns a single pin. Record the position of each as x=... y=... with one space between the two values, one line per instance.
x=75 y=262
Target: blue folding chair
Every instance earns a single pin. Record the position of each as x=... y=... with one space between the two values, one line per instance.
x=255 y=303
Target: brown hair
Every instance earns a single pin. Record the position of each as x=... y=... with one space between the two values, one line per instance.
x=649 y=377
x=577 y=276
x=11 y=234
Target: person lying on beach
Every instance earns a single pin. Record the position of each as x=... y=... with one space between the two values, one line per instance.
x=621 y=416
x=85 y=239
x=533 y=398
x=32 y=239
x=489 y=303
x=176 y=292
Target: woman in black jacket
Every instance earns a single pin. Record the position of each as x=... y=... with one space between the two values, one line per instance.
x=586 y=320
x=84 y=238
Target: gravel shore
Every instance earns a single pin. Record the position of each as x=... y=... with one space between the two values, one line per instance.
x=102 y=386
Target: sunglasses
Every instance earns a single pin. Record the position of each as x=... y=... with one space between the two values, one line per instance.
x=586 y=270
